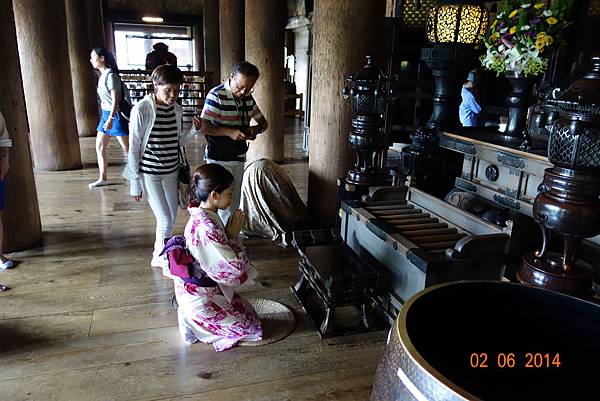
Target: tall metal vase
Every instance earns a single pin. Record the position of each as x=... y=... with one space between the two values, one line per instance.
x=518 y=101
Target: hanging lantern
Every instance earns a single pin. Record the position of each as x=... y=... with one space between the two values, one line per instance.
x=457 y=23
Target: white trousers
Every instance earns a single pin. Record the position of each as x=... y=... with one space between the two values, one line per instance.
x=237 y=169
x=161 y=193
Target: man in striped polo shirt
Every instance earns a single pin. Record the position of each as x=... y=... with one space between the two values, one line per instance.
x=226 y=117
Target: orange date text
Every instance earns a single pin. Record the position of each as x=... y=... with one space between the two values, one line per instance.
x=509 y=360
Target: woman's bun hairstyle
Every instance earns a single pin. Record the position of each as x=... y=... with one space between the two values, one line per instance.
x=207 y=178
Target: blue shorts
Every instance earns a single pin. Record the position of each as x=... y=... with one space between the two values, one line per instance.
x=119 y=127
x=1 y=194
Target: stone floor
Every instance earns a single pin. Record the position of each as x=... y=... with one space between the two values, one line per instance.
x=87 y=318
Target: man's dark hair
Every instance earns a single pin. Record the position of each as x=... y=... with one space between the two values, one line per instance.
x=245 y=68
x=167 y=74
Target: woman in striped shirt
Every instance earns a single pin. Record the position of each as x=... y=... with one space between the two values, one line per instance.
x=155 y=137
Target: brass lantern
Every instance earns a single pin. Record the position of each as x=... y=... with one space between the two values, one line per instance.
x=456 y=23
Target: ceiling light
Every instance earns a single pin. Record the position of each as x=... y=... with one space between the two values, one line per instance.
x=152 y=19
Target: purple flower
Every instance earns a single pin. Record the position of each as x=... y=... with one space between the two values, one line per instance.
x=507 y=42
x=535 y=21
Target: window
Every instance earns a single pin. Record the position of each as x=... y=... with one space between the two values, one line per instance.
x=134 y=41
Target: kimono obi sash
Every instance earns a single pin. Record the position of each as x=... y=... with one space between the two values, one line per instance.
x=183 y=265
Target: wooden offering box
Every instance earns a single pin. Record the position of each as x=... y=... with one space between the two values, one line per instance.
x=334 y=276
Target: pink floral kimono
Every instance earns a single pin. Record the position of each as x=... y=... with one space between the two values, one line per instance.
x=216 y=315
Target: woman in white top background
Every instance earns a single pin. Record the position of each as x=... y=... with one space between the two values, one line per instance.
x=110 y=90
x=153 y=161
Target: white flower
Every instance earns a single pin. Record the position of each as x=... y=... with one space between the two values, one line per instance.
x=526 y=5
x=504 y=30
x=533 y=51
x=513 y=59
x=500 y=15
x=525 y=27
x=489 y=58
x=501 y=48
x=547 y=13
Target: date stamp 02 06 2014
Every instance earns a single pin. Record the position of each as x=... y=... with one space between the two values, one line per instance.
x=508 y=360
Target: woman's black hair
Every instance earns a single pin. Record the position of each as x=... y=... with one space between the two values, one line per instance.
x=167 y=74
x=207 y=178
x=109 y=58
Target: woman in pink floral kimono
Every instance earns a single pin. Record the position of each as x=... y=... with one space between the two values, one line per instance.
x=212 y=312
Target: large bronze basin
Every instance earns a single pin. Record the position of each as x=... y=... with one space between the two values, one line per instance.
x=488 y=341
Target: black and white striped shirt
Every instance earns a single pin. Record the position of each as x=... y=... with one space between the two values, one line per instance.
x=222 y=109
x=161 y=155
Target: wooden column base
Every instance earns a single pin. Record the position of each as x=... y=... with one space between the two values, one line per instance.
x=547 y=273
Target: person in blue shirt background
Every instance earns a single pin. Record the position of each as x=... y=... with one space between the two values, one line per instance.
x=469 y=108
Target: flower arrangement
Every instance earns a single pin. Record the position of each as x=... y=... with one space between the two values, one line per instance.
x=523 y=34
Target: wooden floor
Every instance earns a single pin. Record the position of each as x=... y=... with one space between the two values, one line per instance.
x=87 y=318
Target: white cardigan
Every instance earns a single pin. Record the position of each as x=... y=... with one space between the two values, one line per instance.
x=141 y=122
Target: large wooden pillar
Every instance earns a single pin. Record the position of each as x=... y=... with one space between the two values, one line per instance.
x=344 y=33
x=198 y=48
x=231 y=25
x=109 y=37
x=44 y=55
x=264 y=26
x=95 y=19
x=82 y=72
x=212 y=62
x=21 y=216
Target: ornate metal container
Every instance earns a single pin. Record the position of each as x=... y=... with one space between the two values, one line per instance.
x=568 y=199
x=575 y=137
x=368 y=94
x=543 y=114
x=367 y=89
x=568 y=203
